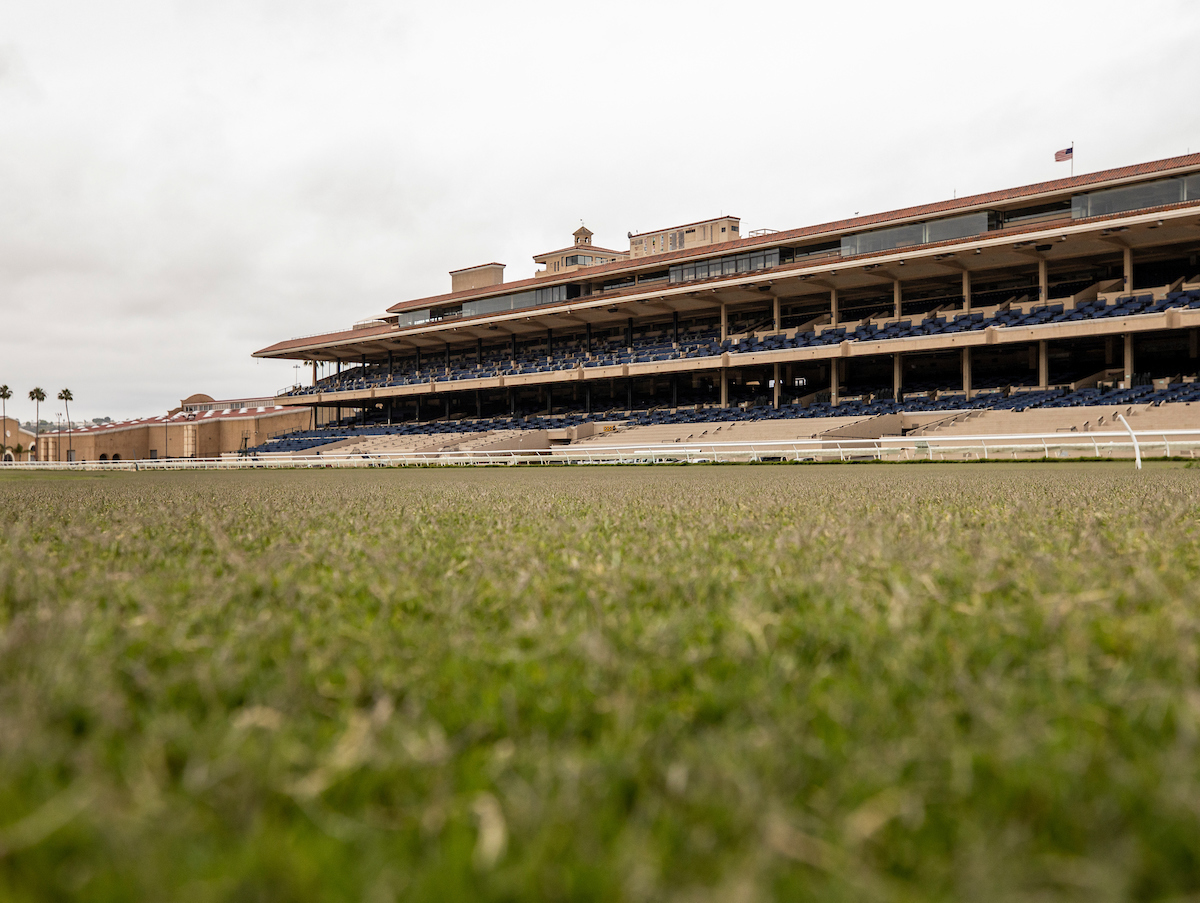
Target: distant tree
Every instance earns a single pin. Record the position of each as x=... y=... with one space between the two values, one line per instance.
x=5 y=395
x=66 y=398
x=37 y=395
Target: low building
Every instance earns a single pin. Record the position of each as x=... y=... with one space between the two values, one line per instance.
x=18 y=442
x=201 y=427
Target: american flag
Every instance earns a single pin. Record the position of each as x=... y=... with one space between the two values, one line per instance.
x=1065 y=154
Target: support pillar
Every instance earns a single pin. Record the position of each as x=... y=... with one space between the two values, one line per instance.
x=966 y=291
x=629 y=394
x=724 y=388
x=834 y=379
x=1128 y=359
x=478 y=404
x=1043 y=281
x=629 y=332
x=589 y=338
x=418 y=401
x=675 y=326
x=1193 y=344
x=897 y=377
x=514 y=346
x=674 y=390
x=724 y=322
x=314 y=366
x=897 y=296
x=1043 y=361
x=1128 y=262
x=447 y=407
x=587 y=399
x=512 y=400
x=391 y=367
x=778 y=319
x=479 y=352
x=447 y=355
x=833 y=306
x=549 y=343
x=966 y=372
x=549 y=400
x=776 y=380
x=418 y=358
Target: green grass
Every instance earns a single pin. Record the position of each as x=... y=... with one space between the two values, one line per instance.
x=868 y=683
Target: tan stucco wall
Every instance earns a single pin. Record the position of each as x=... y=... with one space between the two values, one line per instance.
x=197 y=438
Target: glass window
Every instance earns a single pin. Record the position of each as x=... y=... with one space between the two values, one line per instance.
x=1191 y=188
x=956 y=227
x=1129 y=197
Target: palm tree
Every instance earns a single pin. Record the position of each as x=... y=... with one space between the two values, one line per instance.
x=37 y=395
x=5 y=395
x=66 y=398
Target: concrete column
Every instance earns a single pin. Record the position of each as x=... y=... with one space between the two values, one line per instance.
x=549 y=342
x=514 y=348
x=478 y=404
x=314 y=366
x=479 y=351
x=390 y=363
x=447 y=407
x=1128 y=261
x=418 y=401
x=724 y=387
x=447 y=355
x=1193 y=344
x=897 y=377
x=589 y=339
x=1128 y=357
x=418 y=359
x=674 y=390
x=834 y=394
x=966 y=371
x=587 y=399
x=629 y=332
x=1043 y=362
x=833 y=306
x=1108 y=351
x=629 y=394
x=776 y=380
x=1043 y=282
x=778 y=318
x=549 y=399
x=724 y=322
x=896 y=296
x=966 y=292
x=675 y=326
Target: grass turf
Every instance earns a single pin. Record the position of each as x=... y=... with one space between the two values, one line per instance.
x=602 y=684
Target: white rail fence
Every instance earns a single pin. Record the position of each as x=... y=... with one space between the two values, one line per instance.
x=1022 y=446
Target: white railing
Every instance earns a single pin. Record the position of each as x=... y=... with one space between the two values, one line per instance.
x=1023 y=446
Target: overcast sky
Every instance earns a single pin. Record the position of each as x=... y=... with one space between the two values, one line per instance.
x=182 y=183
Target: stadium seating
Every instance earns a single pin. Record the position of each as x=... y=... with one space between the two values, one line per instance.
x=658 y=344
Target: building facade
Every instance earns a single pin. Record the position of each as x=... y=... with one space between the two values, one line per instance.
x=1071 y=282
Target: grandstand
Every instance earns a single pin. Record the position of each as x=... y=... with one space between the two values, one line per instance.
x=1056 y=297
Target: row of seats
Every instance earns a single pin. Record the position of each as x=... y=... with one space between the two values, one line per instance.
x=865 y=405
x=703 y=342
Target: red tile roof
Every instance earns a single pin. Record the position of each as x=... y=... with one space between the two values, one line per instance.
x=829 y=229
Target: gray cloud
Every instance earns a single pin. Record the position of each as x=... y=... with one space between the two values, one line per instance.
x=185 y=183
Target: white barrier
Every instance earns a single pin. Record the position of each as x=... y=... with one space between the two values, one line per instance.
x=1023 y=446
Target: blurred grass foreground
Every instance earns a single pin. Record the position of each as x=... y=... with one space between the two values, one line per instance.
x=973 y=682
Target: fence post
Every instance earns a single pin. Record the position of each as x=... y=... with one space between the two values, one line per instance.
x=1137 y=451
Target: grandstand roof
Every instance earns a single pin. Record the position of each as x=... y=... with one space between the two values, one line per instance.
x=830 y=229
